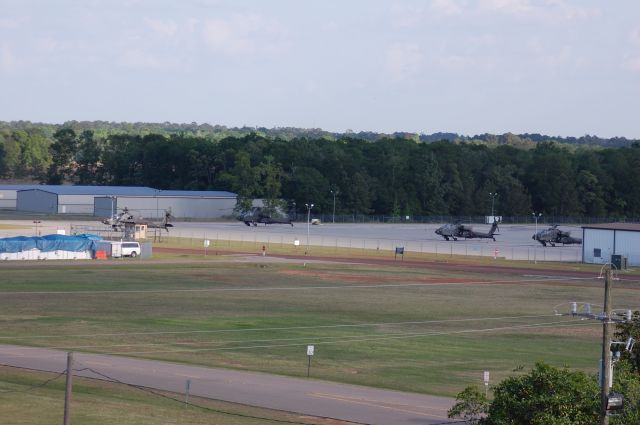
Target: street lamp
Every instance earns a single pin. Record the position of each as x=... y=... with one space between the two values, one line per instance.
x=334 y=193
x=36 y=222
x=536 y=217
x=309 y=206
x=493 y=198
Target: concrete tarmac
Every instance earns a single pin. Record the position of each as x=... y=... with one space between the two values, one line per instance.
x=512 y=242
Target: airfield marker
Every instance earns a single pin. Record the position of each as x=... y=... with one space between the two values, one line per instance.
x=310 y=352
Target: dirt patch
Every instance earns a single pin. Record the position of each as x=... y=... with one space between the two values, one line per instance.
x=367 y=278
x=441 y=265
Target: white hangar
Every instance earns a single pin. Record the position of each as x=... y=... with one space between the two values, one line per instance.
x=601 y=241
x=182 y=204
x=9 y=194
x=103 y=201
x=53 y=199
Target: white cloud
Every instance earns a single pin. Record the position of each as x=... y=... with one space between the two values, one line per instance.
x=458 y=62
x=634 y=37
x=405 y=14
x=544 y=10
x=243 y=34
x=571 y=12
x=165 y=27
x=515 y=7
x=634 y=64
x=446 y=7
x=403 y=60
x=8 y=61
x=137 y=58
x=47 y=45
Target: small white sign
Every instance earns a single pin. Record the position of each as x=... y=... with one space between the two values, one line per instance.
x=486 y=377
x=310 y=350
x=296 y=242
x=207 y=242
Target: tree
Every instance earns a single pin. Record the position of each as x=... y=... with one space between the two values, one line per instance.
x=88 y=159
x=545 y=396
x=62 y=155
x=471 y=405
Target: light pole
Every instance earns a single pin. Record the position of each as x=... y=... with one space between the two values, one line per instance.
x=309 y=206
x=493 y=198
x=536 y=217
x=334 y=193
x=36 y=222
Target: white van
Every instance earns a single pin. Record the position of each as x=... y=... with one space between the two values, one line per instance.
x=130 y=249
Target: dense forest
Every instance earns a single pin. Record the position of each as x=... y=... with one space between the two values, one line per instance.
x=392 y=175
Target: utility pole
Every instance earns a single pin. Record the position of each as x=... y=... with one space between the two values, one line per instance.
x=309 y=206
x=606 y=348
x=334 y=193
x=67 y=392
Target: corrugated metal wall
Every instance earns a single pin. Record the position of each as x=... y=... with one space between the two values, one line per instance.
x=37 y=201
x=628 y=244
x=594 y=240
x=181 y=207
x=105 y=206
x=8 y=199
x=75 y=204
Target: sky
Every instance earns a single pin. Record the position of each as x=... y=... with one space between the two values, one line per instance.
x=555 y=67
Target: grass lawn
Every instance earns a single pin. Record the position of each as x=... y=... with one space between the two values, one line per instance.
x=407 y=329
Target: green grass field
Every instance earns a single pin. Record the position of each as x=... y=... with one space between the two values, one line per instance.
x=404 y=329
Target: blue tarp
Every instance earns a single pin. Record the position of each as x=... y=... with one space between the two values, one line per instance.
x=77 y=243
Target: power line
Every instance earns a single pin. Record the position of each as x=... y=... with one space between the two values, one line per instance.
x=342 y=340
x=356 y=339
x=35 y=386
x=221 y=342
x=202 y=331
x=210 y=409
x=284 y=288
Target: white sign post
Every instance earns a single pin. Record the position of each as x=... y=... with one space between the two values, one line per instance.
x=207 y=242
x=310 y=352
x=486 y=383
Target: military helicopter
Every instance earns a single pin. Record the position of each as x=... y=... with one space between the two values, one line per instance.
x=458 y=230
x=553 y=235
x=258 y=215
x=117 y=220
x=126 y=218
x=162 y=224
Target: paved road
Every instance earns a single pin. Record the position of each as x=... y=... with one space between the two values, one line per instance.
x=305 y=396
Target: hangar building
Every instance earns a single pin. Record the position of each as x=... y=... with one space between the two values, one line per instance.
x=9 y=194
x=52 y=199
x=601 y=241
x=103 y=201
x=181 y=203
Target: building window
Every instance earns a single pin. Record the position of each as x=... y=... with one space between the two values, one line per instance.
x=597 y=252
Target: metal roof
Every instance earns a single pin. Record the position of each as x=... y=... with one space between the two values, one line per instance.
x=198 y=193
x=633 y=227
x=94 y=190
x=20 y=186
x=119 y=191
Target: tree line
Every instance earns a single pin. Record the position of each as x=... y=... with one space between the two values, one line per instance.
x=391 y=176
